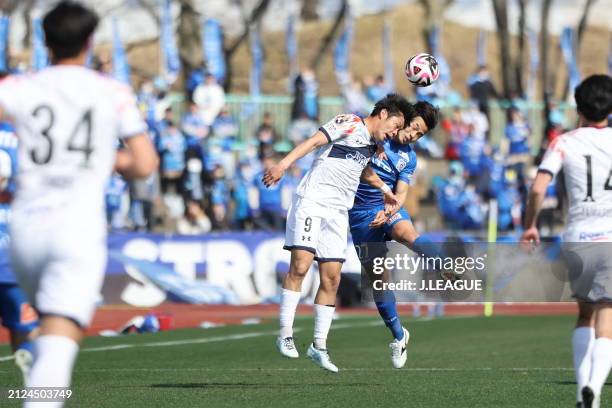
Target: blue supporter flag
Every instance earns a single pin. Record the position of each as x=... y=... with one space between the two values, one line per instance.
x=534 y=62
x=4 y=33
x=481 y=48
x=388 y=56
x=257 y=60
x=212 y=42
x=292 y=46
x=443 y=83
x=342 y=51
x=568 y=50
x=172 y=62
x=40 y=58
x=121 y=68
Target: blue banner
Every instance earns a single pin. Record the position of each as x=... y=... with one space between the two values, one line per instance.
x=388 y=56
x=257 y=60
x=4 y=39
x=121 y=68
x=568 y=50
x=481 y=48
x=40 y=58
x=534 y=62
x=292 y=47
x=172 y=62
x=442 y=85
x=212 y=43
x=342 y=51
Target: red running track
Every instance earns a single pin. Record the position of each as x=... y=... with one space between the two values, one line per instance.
x=184 y=316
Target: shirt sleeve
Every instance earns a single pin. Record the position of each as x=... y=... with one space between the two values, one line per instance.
x=131 y=122
x=553 y=158
x=407 y=173
x=339 y=127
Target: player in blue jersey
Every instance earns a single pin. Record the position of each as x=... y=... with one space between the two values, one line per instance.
x=370 y=224
x=15 y=312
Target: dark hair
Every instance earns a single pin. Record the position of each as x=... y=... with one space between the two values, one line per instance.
x=594 y=97
x=395 y=105
x=68 y=27
x=429 y=113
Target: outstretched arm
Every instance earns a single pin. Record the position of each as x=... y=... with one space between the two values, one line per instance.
x=391 y=203
x=275 y=173
x=534 y=205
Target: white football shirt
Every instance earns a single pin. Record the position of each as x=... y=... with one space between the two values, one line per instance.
x=585 y=155
x=68 y=120
x=334 y=176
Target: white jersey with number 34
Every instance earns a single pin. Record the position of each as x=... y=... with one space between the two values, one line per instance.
x=585 y=155
x=68 y=119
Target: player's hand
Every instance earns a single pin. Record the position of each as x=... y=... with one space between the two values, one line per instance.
x=391 y=204
x=273 y=175
x=379 y=220
x=530 y=239
x=380 y=152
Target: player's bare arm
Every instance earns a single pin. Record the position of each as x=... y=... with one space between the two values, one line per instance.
x=139 y=160
x=401 y=193
x=392 y=204
x=534 y=205
x=275 y=173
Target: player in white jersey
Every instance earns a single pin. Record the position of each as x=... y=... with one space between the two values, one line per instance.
x=317 y=222
x=585 y=156
x=68 y=120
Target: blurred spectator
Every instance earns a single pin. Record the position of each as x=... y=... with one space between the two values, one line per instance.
x=219 y=198
x=115 y=201
x=225 y=127
x=376 y=89
x=270 y=213
x=194 y=222
x=194 y=129
x=459 y=204
x=472 y=153
x=143 y=195
x=240 y=195
x=482 y=89
x=301 y=129
x=356 y=100
x=457 y=131
x=518 y=134
x=196 y=78
x=210 y=98
x=171 y=147
x=478 y=121
x=305 y=95
x=266 y=135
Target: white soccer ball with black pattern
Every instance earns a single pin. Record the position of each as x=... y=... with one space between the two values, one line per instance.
x=422 y=69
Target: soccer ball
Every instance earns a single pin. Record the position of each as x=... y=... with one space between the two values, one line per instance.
x=422 y=69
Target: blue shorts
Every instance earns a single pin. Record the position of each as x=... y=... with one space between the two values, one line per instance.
x=360 y=219
x=15 y=311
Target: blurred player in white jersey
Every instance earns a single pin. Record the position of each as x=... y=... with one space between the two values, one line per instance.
x=68 y=119
x=317 y=222
x=585 y=155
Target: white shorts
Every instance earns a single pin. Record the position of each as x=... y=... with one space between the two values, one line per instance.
x=590 y=270
x=61 y=270
x=317 y=229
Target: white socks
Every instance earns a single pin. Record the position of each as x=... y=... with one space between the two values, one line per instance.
x=323 y=320
x=601 y=363
x=54 y=358
x=288 y=305
x=583 y=341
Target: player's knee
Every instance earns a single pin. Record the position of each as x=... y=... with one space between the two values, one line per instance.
x=299 y=268
x=585 y=315
x=330 y=283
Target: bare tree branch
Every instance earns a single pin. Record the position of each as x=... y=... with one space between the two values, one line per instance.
x=330 y=36
x=309 y=10
x=256 y=15
x=8 y=6
x=151 y=10
x=501 y=17
x=520 y=59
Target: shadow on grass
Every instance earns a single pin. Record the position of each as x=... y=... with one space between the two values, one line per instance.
x=608 y=384
x=250 y=385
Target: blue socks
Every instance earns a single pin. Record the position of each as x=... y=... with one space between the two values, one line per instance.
x=425 y=246
x=388 y=312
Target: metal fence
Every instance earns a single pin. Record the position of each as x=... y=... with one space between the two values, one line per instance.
x=249 y=112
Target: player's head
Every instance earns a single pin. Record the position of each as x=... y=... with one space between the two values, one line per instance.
x=390 y=115
x=425 y=118
x=68 y=28
x=594 y=98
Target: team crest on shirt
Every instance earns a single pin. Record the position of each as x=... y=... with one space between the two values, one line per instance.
x=401 y=164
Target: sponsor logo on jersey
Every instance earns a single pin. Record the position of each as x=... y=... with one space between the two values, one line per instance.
x=395 y=217
x=381 y=163
x=593 y=236
x=358 y=157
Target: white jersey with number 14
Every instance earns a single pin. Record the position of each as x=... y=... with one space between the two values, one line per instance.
x=585 y=155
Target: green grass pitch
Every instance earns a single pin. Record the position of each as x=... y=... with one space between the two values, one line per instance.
x=452 y=362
